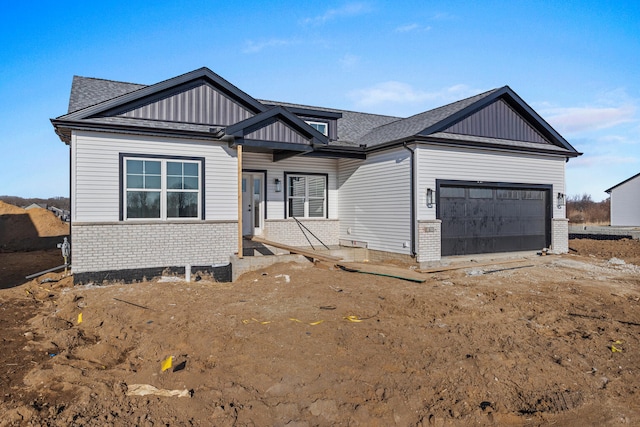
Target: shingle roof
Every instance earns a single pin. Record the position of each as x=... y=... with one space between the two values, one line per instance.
x=354 y=128
x=87 y=91
x=413 y=125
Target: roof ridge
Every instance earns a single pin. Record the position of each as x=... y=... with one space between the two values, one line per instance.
x=109 y=80
x=331 y=109
x=463 y=102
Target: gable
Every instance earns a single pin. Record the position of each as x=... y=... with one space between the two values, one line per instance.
x=498 y=120
x=201 y=104
x=280 y=132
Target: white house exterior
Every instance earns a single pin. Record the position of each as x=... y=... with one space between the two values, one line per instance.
x=625 y=202
x=173 y=173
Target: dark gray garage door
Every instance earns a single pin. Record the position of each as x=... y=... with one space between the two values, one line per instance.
x=478 y=220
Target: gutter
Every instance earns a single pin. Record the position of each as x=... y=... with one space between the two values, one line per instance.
x=412 y=187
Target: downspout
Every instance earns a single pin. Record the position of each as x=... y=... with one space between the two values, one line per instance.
x=412 y=186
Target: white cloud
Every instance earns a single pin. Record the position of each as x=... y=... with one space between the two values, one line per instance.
x=349 y=9
x=599 y=161
x=393 y=92
x=412 y=28
x=252 y=46
x=443 y=16
x=583 y=119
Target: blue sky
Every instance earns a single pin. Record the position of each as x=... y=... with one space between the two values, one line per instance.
x=575 y=62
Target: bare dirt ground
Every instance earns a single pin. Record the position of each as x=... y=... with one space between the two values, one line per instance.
x=554 y=340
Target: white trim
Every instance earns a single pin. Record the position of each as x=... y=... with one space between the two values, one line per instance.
x=315 y=125
x=306 y=198
x=163 y=188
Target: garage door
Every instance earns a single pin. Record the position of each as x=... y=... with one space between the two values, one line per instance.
x=477 y=219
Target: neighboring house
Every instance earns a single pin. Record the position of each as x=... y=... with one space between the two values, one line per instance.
x=171 y=174
x=625 y=202
x=35 y=205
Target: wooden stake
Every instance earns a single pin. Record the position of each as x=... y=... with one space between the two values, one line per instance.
x=460 y=267
x=240 y=249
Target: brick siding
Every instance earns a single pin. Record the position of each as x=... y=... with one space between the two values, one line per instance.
x=288 y=232
x=120 y=246
x=429 y=241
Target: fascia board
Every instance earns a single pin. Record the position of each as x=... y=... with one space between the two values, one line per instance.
x=514 y=100
x=136 y=95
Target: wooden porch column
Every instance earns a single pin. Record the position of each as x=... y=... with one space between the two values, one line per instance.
x=239 y=201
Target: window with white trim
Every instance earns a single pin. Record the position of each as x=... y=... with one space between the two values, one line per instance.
x=306 y=196
x=321 y=127
x=161 y=188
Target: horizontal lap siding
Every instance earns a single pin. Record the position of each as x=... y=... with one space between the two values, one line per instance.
x=96 y=180
x=484 y=165
x=275 y=201
x=375 y=201
x=625 y=204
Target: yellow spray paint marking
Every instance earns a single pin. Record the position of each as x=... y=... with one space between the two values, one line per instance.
x=316 y=323
x=617 y=342
x=353 y=318
x=247 y=321
x=166 y=363
x=615 y=350
x=295 y=320
x=79 y=318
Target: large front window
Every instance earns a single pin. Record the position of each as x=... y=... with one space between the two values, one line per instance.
x=162 y=188
x=306 y=196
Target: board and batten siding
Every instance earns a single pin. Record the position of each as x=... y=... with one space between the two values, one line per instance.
x=625 y=204
x=275 y=201
x=464 y=164
x=95 y=172
x=375 y=203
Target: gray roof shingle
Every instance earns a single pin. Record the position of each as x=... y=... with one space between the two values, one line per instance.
x=413 y=125
x=354 y=128
x=87 y=91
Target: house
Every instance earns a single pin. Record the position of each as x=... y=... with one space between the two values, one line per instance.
x=625 y=202
x=175 y=173
x=35 y=206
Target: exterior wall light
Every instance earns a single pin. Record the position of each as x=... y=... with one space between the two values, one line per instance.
x=561 y=200
x=278 y=183
x=429 y=198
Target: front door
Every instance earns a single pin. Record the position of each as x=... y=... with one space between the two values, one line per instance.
x=252 y=203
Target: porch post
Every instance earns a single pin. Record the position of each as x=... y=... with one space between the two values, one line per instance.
x=240 y=201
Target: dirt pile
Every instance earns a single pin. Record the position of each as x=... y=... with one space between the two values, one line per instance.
x=551 y=341
x=625 y=249
x=32 y=229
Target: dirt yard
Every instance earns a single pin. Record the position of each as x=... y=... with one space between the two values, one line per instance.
x=551 y=340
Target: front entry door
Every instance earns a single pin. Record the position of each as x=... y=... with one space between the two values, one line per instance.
x=252 y=203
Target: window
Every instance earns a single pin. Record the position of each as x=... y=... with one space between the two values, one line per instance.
x=321 y=127
x=306 y=196
x=161 y=188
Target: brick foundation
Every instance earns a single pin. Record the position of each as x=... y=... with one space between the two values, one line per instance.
x=429 y=241
x=288 y=232
x=123 y=246
x=560 y=235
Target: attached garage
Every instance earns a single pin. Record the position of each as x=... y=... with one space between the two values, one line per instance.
x=488 y=217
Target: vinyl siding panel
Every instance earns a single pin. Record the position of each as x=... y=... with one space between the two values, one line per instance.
x=278 y=132
x=202 y=104
x=375 y=204
x=275 y=201
x=484 y=165
x=96 y=168
x=498 y=120
x=625 y=204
